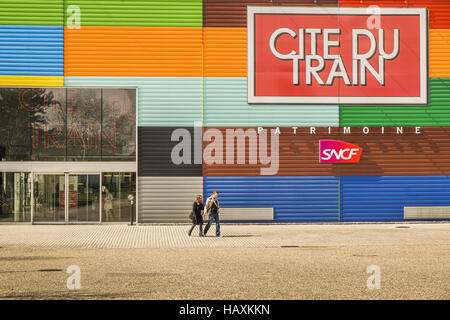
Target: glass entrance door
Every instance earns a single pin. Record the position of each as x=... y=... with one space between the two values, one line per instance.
x=66 y=198
x=49 y=198
x=84 y=198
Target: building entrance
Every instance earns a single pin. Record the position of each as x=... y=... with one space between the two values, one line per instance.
x=66 y=198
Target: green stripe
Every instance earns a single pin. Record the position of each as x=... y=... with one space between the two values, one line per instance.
x=31 y=12
x=437 y=113
x=145 y=13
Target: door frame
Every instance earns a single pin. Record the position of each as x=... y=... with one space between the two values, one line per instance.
x=66 y=197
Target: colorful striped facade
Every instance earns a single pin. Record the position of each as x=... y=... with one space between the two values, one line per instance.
x=188 y=60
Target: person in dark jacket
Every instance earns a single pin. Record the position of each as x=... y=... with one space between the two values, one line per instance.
x=197 y=219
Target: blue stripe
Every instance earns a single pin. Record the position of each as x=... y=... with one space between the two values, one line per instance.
x=382 y=198
x=294 y=199
x=32 y=50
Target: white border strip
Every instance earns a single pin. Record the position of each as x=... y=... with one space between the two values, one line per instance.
x=67 y=166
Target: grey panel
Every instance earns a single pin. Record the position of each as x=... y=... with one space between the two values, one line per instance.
x=155 y=149
x=242 y=214
x=432 y=212
x=167 y=199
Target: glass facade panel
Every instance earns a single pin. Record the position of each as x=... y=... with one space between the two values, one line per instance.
x=67 y=124
x=49 y=198
x=84 y=118
x=84 y=198
x=116 y=188
x=118 y=135
x=47 y=107
x=15 y=197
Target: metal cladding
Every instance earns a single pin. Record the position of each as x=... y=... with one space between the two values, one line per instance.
x=294 y=199
x=382 y=198
x=233 y=13
x=156 y=148
x=188 y=61
x=387 y=151
x=439 y=16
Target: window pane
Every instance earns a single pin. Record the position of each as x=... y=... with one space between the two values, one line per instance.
x=15 y=197
x=48 y=125
x=119 y=124
x=116 y=188
x=84 y=124
x=15 y=128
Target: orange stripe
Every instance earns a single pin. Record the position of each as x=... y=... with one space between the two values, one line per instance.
x=177 y=52
x=133 y=51
x=439 y=42
x=225 y=52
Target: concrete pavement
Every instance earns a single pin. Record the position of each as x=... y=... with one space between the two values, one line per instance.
x=244 y=235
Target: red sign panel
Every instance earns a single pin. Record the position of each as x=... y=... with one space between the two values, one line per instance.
x=299 y=55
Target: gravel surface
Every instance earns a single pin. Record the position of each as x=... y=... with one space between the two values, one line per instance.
x=330 y=263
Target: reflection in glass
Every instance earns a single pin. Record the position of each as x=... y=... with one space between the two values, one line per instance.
x=49 y=198
x=119 y=124
x=116 y=188
x=84 y=114
x=15 y=197
x=84 y=198
x=73 y=124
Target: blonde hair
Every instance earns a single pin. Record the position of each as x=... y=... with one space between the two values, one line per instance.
x=198 y=198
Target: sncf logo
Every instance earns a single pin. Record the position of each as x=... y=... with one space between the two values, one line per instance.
x=335 y=151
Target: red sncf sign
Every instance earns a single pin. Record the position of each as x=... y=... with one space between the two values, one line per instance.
x=299 y=55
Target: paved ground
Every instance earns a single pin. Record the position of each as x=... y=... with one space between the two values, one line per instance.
x=248 y=262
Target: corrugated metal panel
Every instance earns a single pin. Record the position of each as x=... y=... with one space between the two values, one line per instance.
x=167 y=199
x=298 y=155
x=155 y=152
x=427 y=153
x=437 y=113
x=226 y=105
x=225 y=52
x=133 y=51
x=162 y=101
x=438 y=13
x=31 y=81
x=149 y=13
x=382 y=198
x=31 y=50
x=233 y=13
x=294 y=199
x=32 y=12
x=439 y=52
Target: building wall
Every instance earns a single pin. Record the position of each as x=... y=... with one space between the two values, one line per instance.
x=382 y=198
x=188 y=59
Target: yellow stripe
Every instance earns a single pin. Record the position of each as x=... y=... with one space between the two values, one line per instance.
x=31 y=81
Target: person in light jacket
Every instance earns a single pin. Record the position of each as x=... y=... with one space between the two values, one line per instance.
x=197 y=219
x=212 y=209
x=108 y=205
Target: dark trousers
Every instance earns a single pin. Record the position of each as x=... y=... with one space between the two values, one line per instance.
x=193 y=226
x=213 y=216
